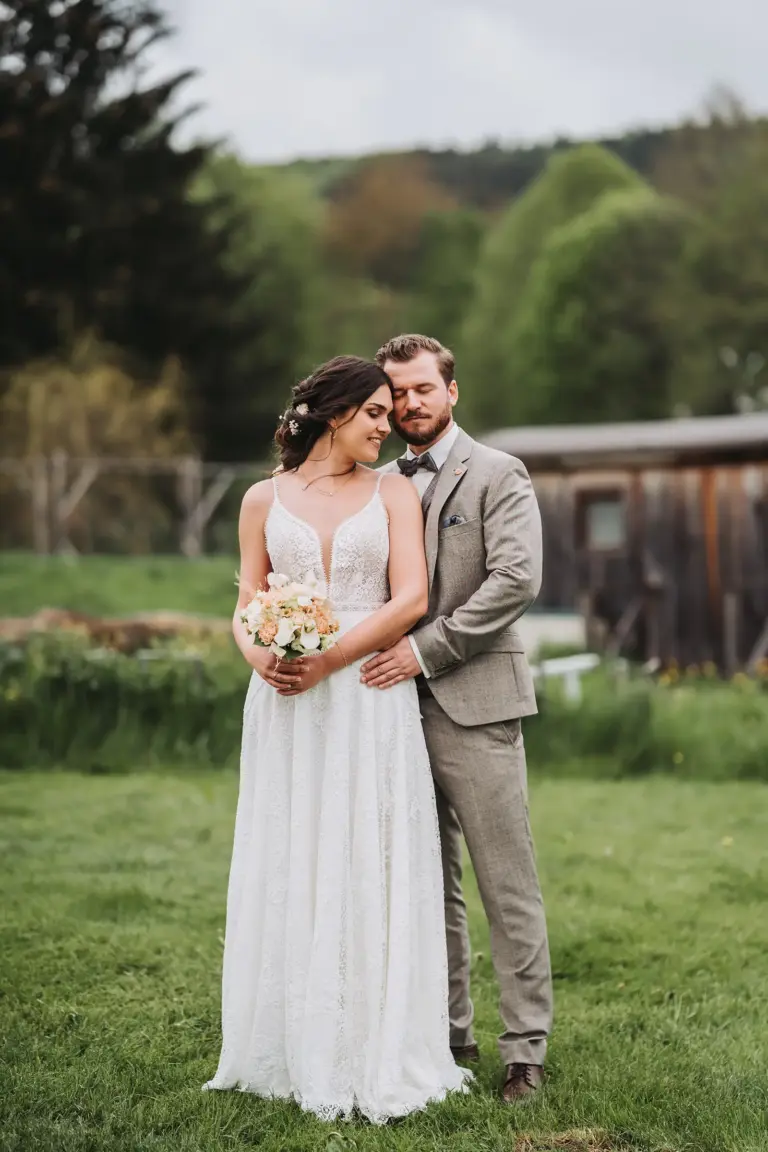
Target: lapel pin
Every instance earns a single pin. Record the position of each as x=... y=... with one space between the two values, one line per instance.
x=458 y=471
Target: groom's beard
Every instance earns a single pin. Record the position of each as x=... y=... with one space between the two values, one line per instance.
x=419 y=434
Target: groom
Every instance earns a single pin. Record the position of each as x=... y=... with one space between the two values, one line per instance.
x=484 y=552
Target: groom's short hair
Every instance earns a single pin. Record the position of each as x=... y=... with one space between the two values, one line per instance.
x=401 y=349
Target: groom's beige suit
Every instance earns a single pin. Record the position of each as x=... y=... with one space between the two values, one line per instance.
x=484 y=553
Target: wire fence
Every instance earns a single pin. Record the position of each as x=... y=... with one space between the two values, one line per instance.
x=60 y=504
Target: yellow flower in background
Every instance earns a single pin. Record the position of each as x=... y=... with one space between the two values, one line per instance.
x=727 y=841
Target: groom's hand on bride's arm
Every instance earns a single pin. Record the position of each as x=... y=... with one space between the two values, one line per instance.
x=390 y=667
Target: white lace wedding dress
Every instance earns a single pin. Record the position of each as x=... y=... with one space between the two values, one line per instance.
x=334 y=983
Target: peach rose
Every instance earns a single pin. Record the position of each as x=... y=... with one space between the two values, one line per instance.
x=267 y=632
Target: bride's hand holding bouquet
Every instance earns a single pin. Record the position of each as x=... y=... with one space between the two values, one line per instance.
x=289 y=622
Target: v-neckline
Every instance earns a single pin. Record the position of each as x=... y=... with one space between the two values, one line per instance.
x=327 y=572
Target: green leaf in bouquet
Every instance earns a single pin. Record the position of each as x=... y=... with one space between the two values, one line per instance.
x=292 y=654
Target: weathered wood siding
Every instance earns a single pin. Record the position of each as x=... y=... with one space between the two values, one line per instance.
x=695 y=550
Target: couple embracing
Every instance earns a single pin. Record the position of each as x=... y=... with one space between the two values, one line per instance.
x=347 y=959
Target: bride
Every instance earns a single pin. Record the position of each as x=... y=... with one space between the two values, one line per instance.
x=334 y=983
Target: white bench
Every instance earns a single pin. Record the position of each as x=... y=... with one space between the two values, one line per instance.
x=570 y=669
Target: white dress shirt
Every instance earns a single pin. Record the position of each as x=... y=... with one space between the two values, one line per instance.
x=422 y=480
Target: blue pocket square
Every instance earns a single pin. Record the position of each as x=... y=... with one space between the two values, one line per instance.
x=450 y=521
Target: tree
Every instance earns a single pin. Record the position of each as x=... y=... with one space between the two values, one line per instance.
x=570 y=184
x=593 y=341
x=273 y=224
x=443 y=276
x=96 y=225
x=86 y=402
x=695 y=158
x=376 y=218
x=358 y=316
x=721 y=301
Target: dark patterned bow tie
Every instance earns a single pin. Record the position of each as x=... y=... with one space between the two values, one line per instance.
x=409 y=465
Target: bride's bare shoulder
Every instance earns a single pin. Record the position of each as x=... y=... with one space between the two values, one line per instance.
x=258 y=499
x=398 y=492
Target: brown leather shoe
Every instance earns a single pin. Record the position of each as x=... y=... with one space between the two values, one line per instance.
x=467 y=1054
x=521 y=1080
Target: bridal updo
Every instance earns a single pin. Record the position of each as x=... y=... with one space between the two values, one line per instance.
x=342 y=383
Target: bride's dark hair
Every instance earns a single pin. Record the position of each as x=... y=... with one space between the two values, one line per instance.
x=342 y=383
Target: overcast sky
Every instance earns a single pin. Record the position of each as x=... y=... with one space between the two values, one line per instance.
x=286 y=78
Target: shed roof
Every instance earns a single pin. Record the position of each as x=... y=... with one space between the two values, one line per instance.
x=689 y=439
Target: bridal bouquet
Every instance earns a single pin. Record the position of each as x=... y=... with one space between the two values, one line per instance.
x=291 y=619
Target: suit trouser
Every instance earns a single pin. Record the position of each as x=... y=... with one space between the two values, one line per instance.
x=481 y=790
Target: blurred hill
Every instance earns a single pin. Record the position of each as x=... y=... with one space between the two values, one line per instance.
x=490 y=176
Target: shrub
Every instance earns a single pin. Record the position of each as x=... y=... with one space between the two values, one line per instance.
x=63 y=703
x=688 y=726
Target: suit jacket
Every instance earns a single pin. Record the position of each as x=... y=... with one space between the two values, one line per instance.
x=484 y=555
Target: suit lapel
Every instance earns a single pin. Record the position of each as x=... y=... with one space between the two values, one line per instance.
x=448 y=477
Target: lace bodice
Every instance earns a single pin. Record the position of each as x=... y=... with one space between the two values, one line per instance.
x=359 y=553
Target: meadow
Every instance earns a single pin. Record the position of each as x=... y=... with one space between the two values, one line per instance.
x=116 y=585
x=111 y=948
x=116 y=816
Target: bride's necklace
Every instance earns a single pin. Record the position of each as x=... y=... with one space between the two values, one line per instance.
x=330 y=475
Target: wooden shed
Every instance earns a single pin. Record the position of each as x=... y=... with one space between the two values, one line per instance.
x=657 y=531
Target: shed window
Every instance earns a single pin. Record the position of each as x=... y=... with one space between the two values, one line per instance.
x=603 y=522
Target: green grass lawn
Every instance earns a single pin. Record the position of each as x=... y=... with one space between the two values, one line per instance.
x=117 y=585
x=656 y=892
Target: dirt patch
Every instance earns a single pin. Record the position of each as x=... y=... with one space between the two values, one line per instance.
x=578 y=1140
x=125 y=634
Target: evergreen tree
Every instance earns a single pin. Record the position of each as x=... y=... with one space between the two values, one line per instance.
x=97 y=228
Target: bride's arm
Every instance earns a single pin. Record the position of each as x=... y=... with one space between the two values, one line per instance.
x=254 y=569
x=408 y=582
x=408 y=585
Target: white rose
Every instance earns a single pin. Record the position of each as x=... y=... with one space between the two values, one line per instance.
x=277 y=580
x=310 y=640
x=285 y=633
x=252 y=615
x=304 y=601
